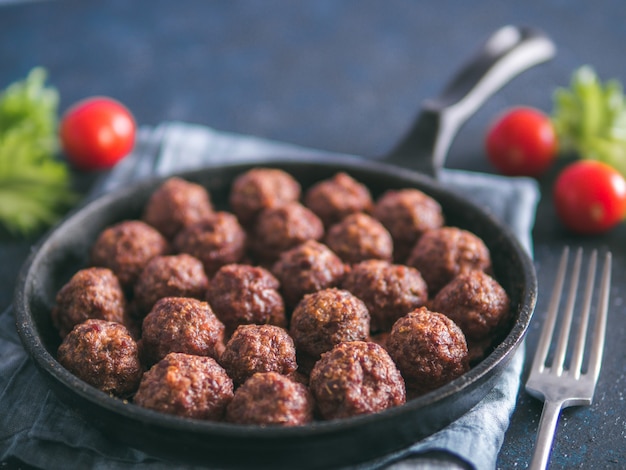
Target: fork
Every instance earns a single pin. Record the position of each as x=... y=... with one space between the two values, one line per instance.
x=559 y=385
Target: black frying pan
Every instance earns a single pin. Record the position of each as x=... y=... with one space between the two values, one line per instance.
x=321 y=444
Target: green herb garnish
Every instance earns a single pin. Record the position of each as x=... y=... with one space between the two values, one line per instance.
x=34 y=184
x=590 y=118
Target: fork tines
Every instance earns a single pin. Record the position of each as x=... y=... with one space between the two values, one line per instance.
x=554 y=361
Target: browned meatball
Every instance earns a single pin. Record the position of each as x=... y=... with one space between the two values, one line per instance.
x=169 y=276
x=429 y=349
x=176 y=204
x=186 y=385
x=328 y=317
x=90 y=293
x=442 y=254
x=356 y=378
x=478 y=304
x=104 y=355
x=179 y=324
x=216 y=241
x=269 y=398
x=337 y=197
x=126 y=247
x=260 y=188
x=242 y=294
x=407 y=214
x=307 y=268
x=280 y=228
x=359 y=237
x=258 y=348
x=389 y=291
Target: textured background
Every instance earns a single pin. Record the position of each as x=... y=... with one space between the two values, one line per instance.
x=346 y=76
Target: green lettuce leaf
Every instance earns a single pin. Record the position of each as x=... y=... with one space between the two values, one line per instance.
x=34 y=185
x=590 y=118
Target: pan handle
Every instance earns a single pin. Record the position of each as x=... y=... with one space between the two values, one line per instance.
x=506 y=53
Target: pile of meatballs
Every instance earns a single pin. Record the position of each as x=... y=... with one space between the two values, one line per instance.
x=292 y=306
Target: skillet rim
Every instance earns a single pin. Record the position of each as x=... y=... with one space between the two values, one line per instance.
x=495 y=361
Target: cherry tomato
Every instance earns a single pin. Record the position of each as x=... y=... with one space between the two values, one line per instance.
x=96 y=133
x=590 y=197
x=521 y=142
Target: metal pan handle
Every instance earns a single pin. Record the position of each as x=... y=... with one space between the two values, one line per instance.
x=506 y=53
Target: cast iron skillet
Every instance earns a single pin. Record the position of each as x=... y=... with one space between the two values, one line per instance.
x=321 y=444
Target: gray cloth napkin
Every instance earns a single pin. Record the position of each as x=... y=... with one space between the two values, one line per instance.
x=39 y=430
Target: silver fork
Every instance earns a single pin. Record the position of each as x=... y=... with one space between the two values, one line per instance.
x=558 y=385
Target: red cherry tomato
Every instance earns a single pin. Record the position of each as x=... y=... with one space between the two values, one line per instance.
x=96 y=133
x=521 y=142
x=590 y=197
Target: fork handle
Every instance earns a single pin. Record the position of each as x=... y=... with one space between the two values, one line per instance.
x=545 y=434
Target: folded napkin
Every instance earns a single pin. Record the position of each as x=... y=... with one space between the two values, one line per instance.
x=39 y=430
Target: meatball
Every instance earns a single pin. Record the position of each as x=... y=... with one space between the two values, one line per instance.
x=258 y=348
x=90 y=293
x=328 y=317
x=280 y=228
x=429 y=349
x=359 y=237
x=179 y=324
x=356 y=378
x=339 y=196
x=269 y=398
x=103 y=354
x=307 y=268
x=478 y=304
x=389 y=291
x=442 y=254
x=126 y=247
x=260 y=188
x=407 y=214
x=186 y=385
x=176 y=204
x=216 y=241
x=243 y=294
x=169 y=276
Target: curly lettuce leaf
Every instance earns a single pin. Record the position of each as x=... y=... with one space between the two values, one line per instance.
x=34 y=185
x=590 y=118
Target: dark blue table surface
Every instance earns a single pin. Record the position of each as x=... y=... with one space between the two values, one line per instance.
x=346 y=76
